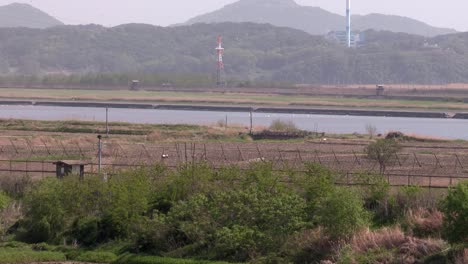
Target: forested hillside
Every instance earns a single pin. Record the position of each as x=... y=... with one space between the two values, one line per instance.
x=254 y=52
x=24 y=15
x=313 y=20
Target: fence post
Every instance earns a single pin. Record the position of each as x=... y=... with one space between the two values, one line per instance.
x=99 y=153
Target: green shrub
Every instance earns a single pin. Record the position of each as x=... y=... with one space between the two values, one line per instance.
x=4 y=200
x=455 y=209
x=151 y=236
x=319 y=184
x=88 y=210
x=206 y=220
x=86 y=231
x=342 y=213
x=236 y=242
x=96 y=257
x=283 y=126
x=376 y=193
x=45 y=214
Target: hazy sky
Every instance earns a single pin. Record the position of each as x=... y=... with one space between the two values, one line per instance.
x=446 y=13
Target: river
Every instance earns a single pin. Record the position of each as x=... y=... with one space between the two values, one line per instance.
x=439 y=128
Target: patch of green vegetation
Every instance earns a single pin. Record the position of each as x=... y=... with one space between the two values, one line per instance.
x=96 y=257
x=136 y=259
x=13 y=256
x=252 y=212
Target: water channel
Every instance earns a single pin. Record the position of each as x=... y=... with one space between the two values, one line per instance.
x=440 y=128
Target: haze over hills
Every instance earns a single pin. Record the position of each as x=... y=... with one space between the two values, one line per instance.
x=313 y=20
x=253 y=52
x=24 y=15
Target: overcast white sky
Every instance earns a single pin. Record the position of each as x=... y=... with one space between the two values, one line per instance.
x=442 y=13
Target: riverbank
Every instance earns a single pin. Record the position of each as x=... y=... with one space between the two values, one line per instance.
x=238 y=99
x=235 y=108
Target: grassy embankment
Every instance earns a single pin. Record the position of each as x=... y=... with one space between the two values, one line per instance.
x=16 y=253
x=227 y=98
x=140 y=132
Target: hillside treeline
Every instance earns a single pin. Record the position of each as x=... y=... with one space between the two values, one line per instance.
x=254 y=53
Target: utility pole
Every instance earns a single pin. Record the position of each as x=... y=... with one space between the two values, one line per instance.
x=107 y=121
x=251 y=121
x=99 y=153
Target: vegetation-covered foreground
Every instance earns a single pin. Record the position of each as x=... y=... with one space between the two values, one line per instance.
x=255 y=215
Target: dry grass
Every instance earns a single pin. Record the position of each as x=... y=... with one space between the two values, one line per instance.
x=387 y=238
x=409 y=249
x=424 y=222
x=10 y=215
x=462 y=257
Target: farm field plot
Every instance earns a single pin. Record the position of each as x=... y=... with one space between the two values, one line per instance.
x=429 y=164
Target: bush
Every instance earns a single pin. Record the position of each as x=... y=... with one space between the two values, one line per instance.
x=376 y=193
x=319 y=184
x=151 y=236
x=261 y=219
x=96 y=257
x=342 y=213
x=4 y=200
x=279 y=125
x=88 y=210
x=86 y=231
x=455 y=209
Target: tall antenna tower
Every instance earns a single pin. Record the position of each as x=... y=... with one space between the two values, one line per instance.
x=220 y=68
x=348 y=23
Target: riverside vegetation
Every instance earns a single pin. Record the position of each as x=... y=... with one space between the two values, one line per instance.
x=197 y=214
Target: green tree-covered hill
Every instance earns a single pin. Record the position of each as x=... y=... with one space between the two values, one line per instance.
x=253 y=52
x=313 y=20
x=24 y=15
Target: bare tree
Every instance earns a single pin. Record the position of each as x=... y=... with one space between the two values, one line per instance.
x=371 y=130
x=382 y=151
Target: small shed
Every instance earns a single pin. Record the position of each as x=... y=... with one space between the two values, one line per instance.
x=134 y=85
x=67 y=167
x=380 y=89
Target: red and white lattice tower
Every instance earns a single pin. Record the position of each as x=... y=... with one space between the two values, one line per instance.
x=220 y=68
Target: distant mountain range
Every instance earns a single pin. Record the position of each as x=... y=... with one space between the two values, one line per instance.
x=313 y=20
x=24 y=15
x=254 y=52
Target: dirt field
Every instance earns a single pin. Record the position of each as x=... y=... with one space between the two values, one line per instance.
x=429 y=164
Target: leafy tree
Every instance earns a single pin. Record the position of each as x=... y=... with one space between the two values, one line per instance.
x=382 y=151
x=455 y=209
x=239 y=222
x=342 y=213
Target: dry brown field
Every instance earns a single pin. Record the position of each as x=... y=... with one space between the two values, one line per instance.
x=428 y=164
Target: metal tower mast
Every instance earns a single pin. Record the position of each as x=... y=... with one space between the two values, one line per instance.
x=220 y=68
x=348 y=23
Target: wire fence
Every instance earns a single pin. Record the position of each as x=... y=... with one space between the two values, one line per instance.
x=423 y=167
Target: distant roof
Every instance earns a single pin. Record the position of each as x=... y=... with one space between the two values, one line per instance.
x=72 y=162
